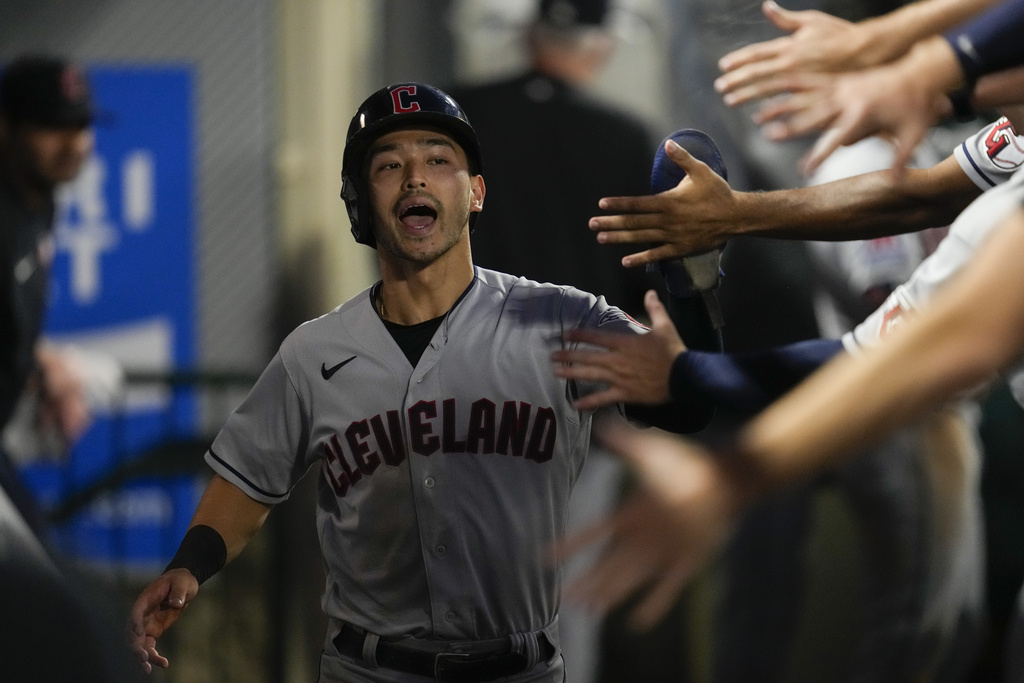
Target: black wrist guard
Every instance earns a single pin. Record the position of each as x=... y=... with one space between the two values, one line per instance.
x=202 y=552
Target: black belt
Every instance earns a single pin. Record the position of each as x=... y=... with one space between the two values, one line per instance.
x=479 y=664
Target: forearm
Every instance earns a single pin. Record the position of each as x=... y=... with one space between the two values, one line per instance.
x=853 y=402
x=234 y=515
x=1003 y=91
x=891 y=35
x=748 y=382
x=862 y=207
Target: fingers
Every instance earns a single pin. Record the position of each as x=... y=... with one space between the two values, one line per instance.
x=682 y=158
x=644 y=203
x=623 y=567
x=656 y=310
x=665 y=251
x=827 y=143
x=148 y=655
x=759 y=89
x=154 y=657
x=600 y=399
x=661 y=597
x=753 y=63
x=636 y=228
x=907 y=139
x=759 y=79
x=593 y=368
x=807 y=122
x=744 y=57
x=784 y=19
x=590 y=534
x=852 y=124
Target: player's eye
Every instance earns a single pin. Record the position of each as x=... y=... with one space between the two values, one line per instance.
x=387 y=166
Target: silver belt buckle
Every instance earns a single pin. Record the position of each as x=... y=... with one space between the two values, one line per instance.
x=441 y=672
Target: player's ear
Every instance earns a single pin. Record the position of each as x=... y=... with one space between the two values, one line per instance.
x=478 y=189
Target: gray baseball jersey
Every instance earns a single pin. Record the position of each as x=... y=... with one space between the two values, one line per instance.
x=440 y=485
x=991 y=158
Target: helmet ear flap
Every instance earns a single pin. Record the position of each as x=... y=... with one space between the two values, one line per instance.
x=357 y=204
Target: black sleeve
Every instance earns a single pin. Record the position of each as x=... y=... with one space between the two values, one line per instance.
x=749 y=381
x=988 y=42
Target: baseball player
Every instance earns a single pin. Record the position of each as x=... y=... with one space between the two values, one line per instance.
x=446 y=449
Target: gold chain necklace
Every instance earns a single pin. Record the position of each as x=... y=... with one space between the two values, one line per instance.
x=380 y=302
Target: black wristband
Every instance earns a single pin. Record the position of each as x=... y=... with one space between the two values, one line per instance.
x=202 y=552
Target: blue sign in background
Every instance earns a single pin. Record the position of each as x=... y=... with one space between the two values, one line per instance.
x=148 y=270
x=124 y=263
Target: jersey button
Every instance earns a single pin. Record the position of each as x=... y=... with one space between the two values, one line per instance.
x=441 y=550
x=429 y=482
x=449 y=616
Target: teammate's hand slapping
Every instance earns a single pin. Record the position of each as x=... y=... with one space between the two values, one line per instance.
x=701 y=213
x=680 y=517
x=635 y=367
x=897 y=101
x=818 y=42
x=155 y=610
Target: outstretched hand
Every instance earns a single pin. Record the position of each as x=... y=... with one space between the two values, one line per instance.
x=635 y=367
x=897 y=101
x=818 y=42
x=155 y=610
x=678 y=519
x=888 y=101
x=699 y=214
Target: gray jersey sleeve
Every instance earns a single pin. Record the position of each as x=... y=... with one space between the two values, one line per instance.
x=270 y=428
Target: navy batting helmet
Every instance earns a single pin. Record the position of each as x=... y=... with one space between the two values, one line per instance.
x=398 y=106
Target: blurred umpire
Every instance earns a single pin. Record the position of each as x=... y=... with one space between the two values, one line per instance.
x=46 y=135
x=50 y=628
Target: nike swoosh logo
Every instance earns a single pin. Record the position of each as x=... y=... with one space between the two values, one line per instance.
x=327 y=373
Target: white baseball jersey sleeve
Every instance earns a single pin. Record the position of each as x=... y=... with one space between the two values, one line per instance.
x=441 y=486
x=992 y=155
x=991 y=158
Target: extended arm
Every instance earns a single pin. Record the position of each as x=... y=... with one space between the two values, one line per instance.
x=703 y=212
x=691 y=498
x=902 y=99
x=656 y=369
x=233 y=516
x=820 y=42
x=749 y=381
x=974 y=330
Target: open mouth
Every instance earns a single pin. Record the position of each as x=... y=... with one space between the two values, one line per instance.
x=417 y=215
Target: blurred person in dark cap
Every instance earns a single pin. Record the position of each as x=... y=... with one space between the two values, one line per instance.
x=544 y=118
x=52 y=627
x=46 y=135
